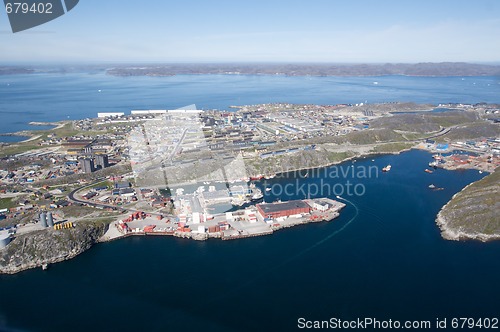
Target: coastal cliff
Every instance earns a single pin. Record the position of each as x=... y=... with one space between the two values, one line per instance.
x=49 y=246
x=472 y=214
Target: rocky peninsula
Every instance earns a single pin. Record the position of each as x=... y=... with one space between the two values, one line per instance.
x=36 y=249
x=472 y=214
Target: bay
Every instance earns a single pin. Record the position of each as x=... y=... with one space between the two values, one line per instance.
x=382 y=258
x=55 y=97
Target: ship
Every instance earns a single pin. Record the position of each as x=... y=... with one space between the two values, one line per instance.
x=257 y=195
x=433 y=164
x=386 y=168
x=428 y=171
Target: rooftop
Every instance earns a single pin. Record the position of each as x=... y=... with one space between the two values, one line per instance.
x=283 y=206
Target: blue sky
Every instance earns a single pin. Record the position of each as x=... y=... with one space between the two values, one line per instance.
x=260 y=31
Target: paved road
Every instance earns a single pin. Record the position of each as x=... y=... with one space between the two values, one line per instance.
x=73 y=198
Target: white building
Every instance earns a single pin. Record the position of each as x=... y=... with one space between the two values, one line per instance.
x=110 y=114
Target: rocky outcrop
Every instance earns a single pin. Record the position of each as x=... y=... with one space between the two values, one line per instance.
x=49 y=246
x=473 y=212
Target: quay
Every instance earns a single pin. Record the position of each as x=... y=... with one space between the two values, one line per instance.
x=259 y=220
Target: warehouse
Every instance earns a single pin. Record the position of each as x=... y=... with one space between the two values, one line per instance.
x=283 y=209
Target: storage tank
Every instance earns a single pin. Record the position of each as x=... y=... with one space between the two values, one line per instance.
x=4 y=239
x=50 y=220
x=43 y=219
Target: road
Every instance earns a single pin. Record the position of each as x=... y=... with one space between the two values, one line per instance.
x=72 y=197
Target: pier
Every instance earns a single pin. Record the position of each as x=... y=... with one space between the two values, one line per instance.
x=260 y=220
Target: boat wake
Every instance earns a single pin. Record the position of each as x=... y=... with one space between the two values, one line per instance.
x=329 y=236
x=290 y=259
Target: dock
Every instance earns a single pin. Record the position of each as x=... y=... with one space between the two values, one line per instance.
x=259 y=220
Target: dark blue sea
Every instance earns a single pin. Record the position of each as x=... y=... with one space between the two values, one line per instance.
x=382 y=258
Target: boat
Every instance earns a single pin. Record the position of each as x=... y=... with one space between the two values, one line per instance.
x=433 y=164
x=257 y=196
x=268 y=189
x=433 y=187
x=428 y=171
x=45 y=266
x=386 y=168
x=480 y=172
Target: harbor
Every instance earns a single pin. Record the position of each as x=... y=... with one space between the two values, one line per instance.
x=261 y=219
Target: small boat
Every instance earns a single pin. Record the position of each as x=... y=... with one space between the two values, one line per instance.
x=257 y=196
x=45 y=266
x=428 y=171
x=268 y=189
x=386 y=168
x=433 y=187
x=480 y=172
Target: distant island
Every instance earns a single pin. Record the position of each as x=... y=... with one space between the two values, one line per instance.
x=418 y=69
x=286 y=69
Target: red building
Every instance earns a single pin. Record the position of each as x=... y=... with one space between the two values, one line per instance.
x=283 y=209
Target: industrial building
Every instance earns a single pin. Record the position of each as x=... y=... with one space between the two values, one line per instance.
x=101 y=161
x=110 y=114
x=283 y=209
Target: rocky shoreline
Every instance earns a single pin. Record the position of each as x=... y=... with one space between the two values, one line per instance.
x=459 y=235
x=33 y=250
x=466 y=217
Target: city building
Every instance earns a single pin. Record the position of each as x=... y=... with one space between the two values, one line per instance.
x=87 y=165
x=101 y=161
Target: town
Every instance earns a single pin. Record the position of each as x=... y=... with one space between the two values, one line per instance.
x=188 y=173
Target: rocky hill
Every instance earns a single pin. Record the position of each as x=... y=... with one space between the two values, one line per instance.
x=473 y=212
x=49 y=246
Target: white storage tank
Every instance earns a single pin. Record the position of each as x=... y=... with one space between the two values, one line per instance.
x=4 y=239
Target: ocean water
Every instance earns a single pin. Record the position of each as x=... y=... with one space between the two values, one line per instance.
x=382 y=258
x=55 y=97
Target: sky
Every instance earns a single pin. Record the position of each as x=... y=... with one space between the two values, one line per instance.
x=339 y=31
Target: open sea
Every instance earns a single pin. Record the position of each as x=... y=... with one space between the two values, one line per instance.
x=382 y=258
